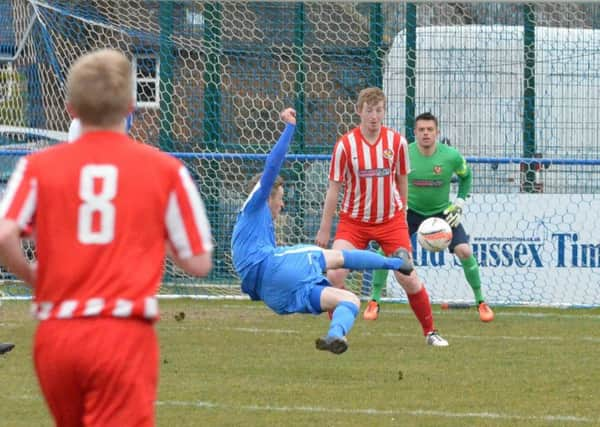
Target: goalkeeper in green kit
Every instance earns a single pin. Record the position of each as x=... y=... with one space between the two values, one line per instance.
x=432 y=166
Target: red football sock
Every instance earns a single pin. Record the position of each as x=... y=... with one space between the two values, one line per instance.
x=421 y=306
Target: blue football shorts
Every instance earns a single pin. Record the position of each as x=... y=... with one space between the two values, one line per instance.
x=290 y=275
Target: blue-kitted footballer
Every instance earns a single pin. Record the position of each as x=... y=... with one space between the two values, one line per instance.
x=289 y=279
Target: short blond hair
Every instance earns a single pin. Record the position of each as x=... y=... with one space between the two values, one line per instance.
x=369 y=96
x=254 y=180
x=100 y=88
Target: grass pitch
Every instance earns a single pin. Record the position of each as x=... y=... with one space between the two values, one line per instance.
x=235 y=363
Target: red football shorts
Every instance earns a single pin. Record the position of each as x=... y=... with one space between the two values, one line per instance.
x=391 y=235
x=98 y=372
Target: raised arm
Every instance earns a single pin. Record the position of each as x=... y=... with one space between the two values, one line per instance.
x=260 y=194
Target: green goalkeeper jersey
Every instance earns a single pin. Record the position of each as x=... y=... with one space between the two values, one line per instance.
x=430 y=177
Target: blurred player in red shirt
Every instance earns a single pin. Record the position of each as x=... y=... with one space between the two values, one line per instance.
x=104 y=211
x=371 y=162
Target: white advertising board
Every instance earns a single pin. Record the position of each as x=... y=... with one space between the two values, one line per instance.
x=533 y=249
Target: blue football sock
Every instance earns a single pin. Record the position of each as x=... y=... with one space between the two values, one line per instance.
x=357 y=259
x=343 y=319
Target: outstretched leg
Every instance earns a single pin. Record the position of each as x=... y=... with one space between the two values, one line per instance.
x=342 y=304
x=358 y=259
x=345 y=306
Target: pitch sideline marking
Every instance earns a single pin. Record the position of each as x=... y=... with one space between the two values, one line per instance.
x=368 y=411
x=393 y=334
x=378 y=412
x=439 y=311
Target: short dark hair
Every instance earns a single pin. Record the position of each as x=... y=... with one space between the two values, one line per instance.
x=427 y=116
x=252 y=183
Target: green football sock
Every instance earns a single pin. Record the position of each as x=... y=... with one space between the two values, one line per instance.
x=471 y=269
x=379 y=277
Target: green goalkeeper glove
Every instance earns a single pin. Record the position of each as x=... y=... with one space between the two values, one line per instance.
x=454 y=212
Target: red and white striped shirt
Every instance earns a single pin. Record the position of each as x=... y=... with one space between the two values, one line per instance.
x=369 y=174
x=102 y=209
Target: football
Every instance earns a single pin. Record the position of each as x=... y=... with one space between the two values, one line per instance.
x=434 y=234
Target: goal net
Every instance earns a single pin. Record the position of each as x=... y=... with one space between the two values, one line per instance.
x=515 y=85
